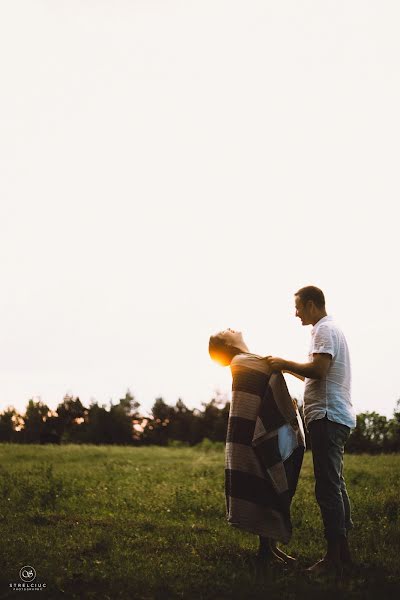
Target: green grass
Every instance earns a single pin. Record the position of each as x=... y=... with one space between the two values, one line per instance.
x=149 y=523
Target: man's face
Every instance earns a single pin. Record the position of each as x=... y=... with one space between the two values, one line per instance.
x=303 y=311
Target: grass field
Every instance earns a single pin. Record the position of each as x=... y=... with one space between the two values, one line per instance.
x=144 y=523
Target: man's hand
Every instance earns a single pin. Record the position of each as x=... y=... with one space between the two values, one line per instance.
x=276 y=364
x=316 y=369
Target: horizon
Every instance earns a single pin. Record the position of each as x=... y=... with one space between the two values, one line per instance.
x=220 y=397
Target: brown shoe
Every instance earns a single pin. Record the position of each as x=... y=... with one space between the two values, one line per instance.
x=325 y=568
x=269 y=556
x=289 y=560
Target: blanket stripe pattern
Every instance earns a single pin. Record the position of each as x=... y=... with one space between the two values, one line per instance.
x=256 y=487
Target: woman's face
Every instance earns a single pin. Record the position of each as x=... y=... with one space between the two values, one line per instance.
x=231 y=337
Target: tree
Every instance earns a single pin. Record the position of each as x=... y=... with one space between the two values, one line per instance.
x=34 y=419
x=181 y=420
x=71 y=421
x=370 y=433
x=70 y=409
x=98 y=425
x=156 y=430
x=9 y=420
x=394 y=430
x=215 y=419
x=121 y=419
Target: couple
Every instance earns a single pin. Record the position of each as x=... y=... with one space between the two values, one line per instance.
x=265 y=439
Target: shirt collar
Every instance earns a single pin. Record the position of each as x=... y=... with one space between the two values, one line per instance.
x=323 y=320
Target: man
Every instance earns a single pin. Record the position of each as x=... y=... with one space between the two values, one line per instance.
x=264 y=446
x=329 y=416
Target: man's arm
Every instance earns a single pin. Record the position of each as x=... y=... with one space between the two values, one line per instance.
x=316 y=369
x=301 y=377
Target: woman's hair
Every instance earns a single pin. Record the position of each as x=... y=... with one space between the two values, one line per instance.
x=220 y=351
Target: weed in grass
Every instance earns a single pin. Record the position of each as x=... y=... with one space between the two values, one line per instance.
x=51 y=490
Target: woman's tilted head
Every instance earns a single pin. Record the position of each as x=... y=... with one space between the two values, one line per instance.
x=225 y=345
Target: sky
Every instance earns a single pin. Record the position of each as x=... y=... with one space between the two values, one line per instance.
x=169 y=169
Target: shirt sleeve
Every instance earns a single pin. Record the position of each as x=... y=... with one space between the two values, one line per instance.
x=323 y=342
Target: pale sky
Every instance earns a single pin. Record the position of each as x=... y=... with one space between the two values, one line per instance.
x=169 y=169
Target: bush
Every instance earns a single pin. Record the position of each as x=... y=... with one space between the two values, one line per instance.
x=207 y=445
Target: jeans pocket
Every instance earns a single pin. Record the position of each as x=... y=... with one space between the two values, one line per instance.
x=339 y=434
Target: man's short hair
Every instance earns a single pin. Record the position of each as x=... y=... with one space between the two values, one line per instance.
x=221 y=351
x=310 y=292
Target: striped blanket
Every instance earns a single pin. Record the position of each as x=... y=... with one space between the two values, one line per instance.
x=256 y=486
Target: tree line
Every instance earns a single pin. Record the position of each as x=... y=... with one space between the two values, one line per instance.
x=123 y=423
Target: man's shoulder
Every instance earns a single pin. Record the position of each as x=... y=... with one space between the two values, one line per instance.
x=327 y=324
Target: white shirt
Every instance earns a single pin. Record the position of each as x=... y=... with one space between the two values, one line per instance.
x=330 y=396
x=289 y=439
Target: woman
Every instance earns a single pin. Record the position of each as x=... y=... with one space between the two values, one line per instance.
x=264 y=446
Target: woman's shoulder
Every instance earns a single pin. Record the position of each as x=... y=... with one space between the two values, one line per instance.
x=250 y=361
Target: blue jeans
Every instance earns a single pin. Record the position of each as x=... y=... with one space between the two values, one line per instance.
x=292 y=468
x=328 y=440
